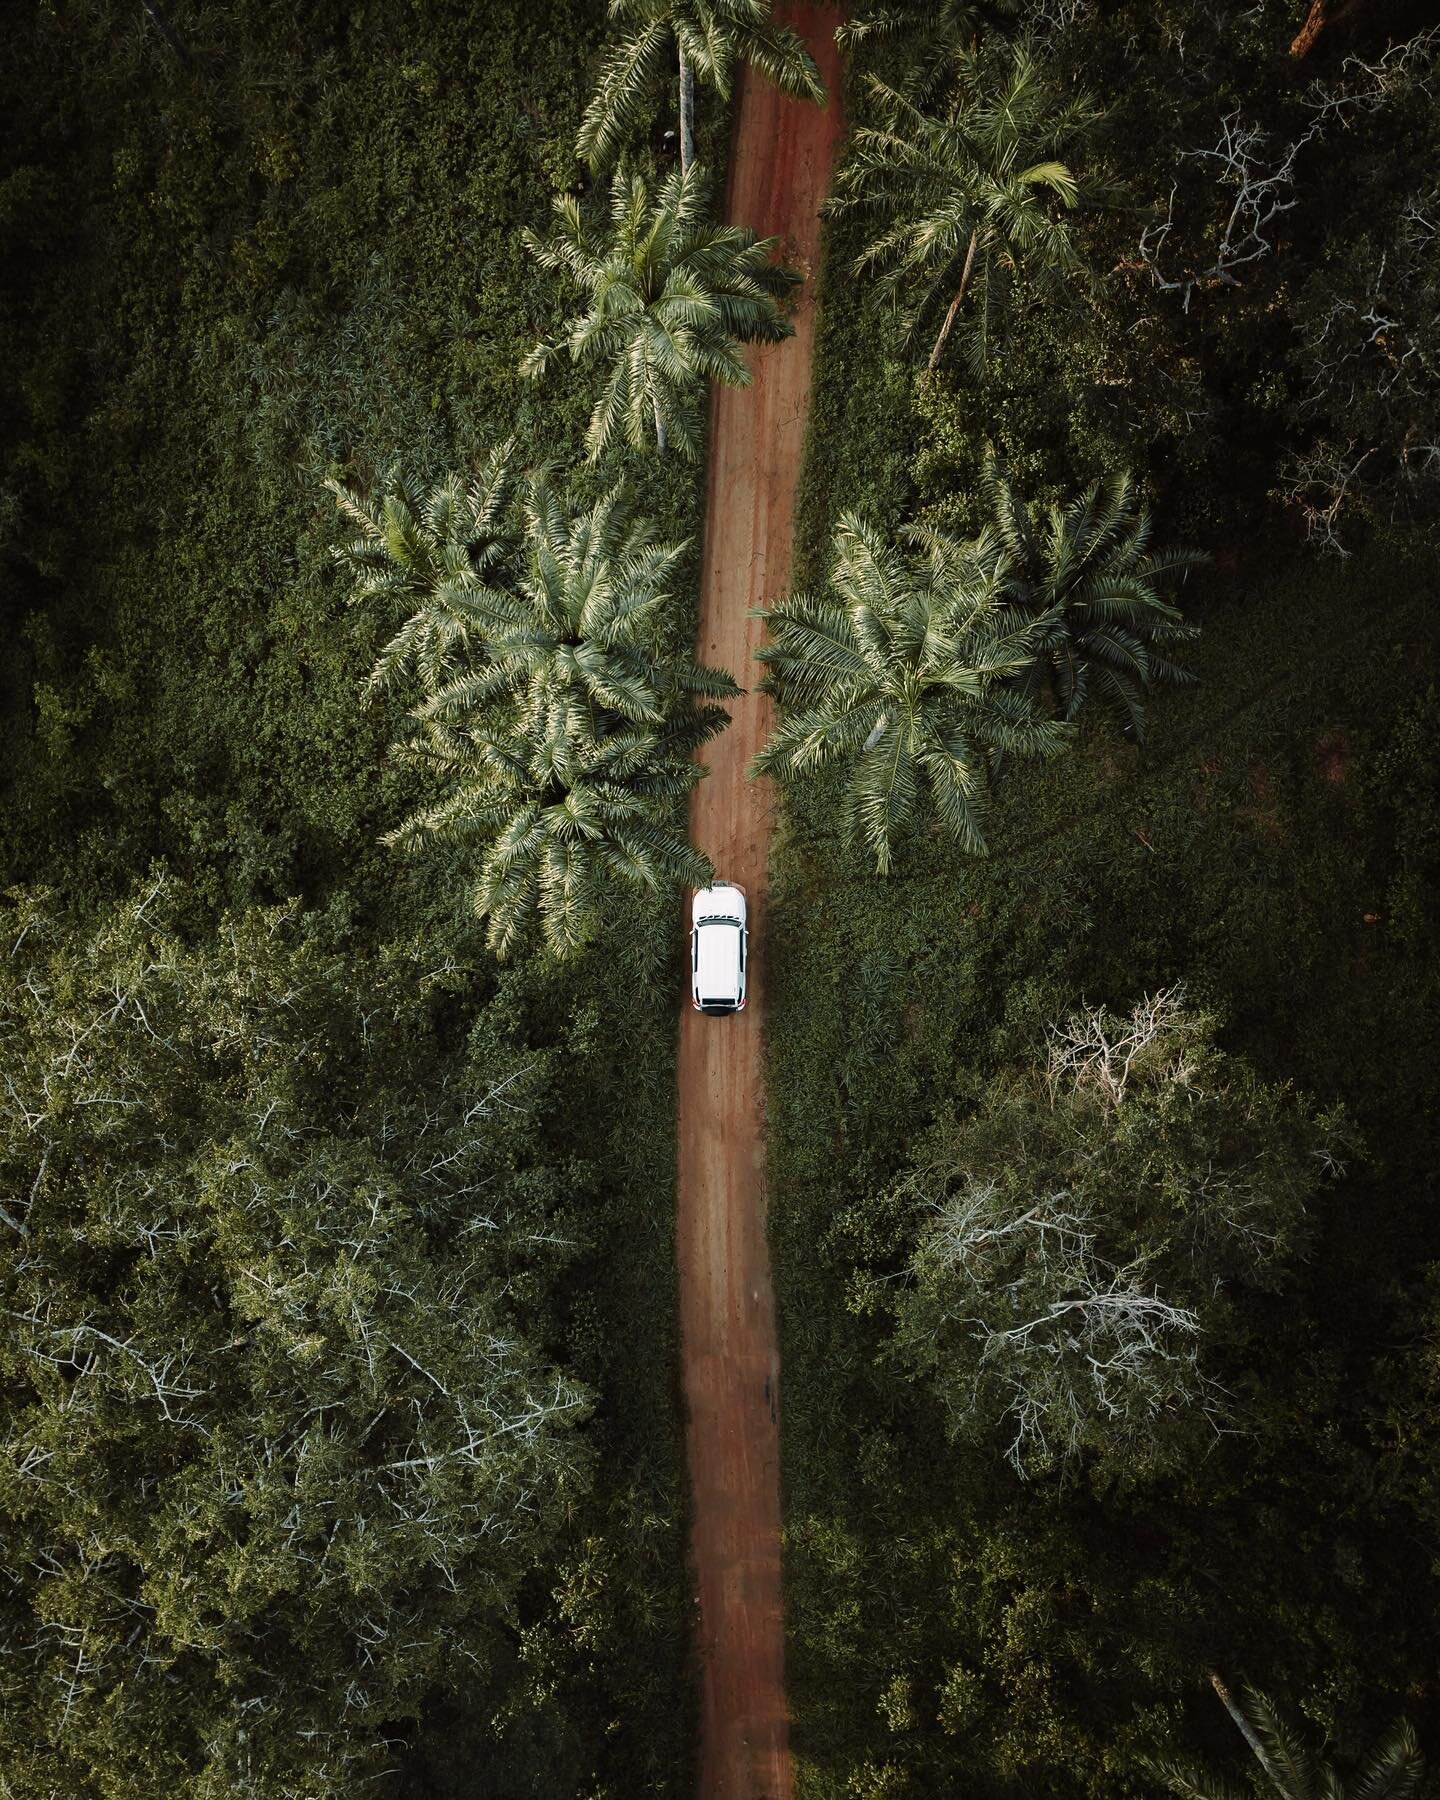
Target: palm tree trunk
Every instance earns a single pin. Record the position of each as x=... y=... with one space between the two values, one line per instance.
x=687 y=113
x=661 y=441
x=166 y=30
x=965 y=275
x=1227 y=1700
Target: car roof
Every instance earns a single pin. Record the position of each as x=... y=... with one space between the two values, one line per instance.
x=717 y=968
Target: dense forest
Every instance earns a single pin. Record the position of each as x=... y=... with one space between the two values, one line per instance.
x=352 y=436
x=1003 y=1575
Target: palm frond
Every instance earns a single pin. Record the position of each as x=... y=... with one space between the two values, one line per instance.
x=1189 y=1783
x=1395 y=1769
x=1292 y=1764
x=899 y=672
x=619 y=106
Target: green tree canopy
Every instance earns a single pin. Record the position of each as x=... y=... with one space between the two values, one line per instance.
x=671 y=299
x=279 y=1450
x=708 y=39
x=1086 y=1233
x=900 y=672
x=966 y=197
x=1087 y=569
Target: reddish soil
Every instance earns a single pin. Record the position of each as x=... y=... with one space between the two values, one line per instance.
x=1334 y=755
x=781 y=159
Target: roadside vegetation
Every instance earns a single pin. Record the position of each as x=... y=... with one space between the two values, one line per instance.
x=1102 y=1165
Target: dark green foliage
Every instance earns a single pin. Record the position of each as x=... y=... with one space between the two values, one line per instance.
x=282 y=1441
x=1274 y=846
x=1276 y=851
x=1288 y=1766
x=1218 y=406
x=1086 y=568
x=310 y=260
x=923 y=41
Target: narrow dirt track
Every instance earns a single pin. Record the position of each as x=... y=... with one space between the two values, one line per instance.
x=781 y=159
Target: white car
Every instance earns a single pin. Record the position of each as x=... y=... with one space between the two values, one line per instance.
x=717 y=948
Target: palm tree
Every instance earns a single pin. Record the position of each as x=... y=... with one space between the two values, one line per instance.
x=436 y=557
x=564 y=729
x=708 y=38
x=969 y=197
x=932 y=36
x=582 y=622
x=1088 y=570
x=1394 y=1770
x=902 y=672
x=558 y=808
x=670 y=300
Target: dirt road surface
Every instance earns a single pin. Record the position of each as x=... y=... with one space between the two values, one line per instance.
x=781 y=159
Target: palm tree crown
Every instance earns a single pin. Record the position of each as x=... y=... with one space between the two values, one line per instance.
x=670 y=298
x=578 y=800
x=901 y=672
x=1087 y=569
x=435 y=557
x=581 y=622
x=708 y=38
x=970 y=196
x=564 y=728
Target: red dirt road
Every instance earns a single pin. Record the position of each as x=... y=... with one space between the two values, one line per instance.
x=781 y=160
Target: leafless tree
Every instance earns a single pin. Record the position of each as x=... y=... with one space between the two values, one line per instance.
x=1094 y=1049
x=1071 y=1340
x=1317 y=483
x=1262 y=175
x=1368 y=87
x=1263 y=180
x=1052 y=20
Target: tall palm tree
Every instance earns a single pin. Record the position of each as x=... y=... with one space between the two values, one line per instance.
x=563 y=726
x=707 y=38
x=670 y=300
x=582 y=621
x=557 y=809
x=435 y=557
x=1394 y=1770
x=1087 y=569
x=901 y=672
x=971 y=196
